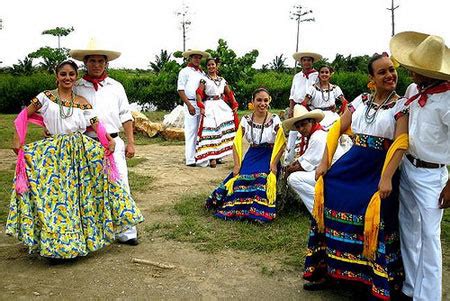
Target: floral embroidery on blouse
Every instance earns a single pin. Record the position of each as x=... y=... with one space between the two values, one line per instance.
x=66 y=103
x=93 y=120
x=36 y=103
x=257 y=125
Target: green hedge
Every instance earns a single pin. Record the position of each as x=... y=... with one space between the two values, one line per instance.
x=160 y=89
x=17 y=91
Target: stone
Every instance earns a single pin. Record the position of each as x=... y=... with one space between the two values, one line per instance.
x=143 y=125
x=175 y=118
x=173 y=134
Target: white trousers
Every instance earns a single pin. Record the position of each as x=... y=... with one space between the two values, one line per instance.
x=420 y=230
x=291 y=141
x=303 y=183
x=191 y=124
x=121 y=162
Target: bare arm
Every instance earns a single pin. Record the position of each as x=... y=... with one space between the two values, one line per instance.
x=128 y=128
x=385 y=185
x=187 y=102
x=31 y=109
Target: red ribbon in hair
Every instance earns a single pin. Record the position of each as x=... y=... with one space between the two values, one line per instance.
x=306 y=73
x=96 y=81
x=423 y=95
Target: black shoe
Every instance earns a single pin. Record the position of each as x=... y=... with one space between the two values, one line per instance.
x=402 y=297
x=317 y=285
x=191 y=165
x=130 y=242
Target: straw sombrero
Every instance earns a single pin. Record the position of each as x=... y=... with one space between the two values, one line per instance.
x=190 y=52
x=298 y=56
x=92 y=49
x=300 y=113
x=422 y=53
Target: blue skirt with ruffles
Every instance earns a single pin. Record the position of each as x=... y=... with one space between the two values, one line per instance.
x=249 y=198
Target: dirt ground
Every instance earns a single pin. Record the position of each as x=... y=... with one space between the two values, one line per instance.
x=111 y=274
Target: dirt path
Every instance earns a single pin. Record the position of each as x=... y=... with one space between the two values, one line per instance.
x=110 y=274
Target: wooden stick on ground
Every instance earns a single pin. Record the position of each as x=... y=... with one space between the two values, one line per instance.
x=153 y=263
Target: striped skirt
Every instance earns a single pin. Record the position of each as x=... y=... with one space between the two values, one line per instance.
x=216 y=133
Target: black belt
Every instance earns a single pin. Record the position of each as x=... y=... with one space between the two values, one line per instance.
x=113 y=135
x=422 y=164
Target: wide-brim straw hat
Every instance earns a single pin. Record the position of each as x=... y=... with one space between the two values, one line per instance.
x=187 y=54
x=301 y=113
x=93 y=49
x=298 y=56
x=422 y=53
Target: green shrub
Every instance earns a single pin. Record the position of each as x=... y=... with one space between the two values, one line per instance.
x=17 y=91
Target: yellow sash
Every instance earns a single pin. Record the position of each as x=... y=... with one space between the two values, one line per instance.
x=271 y=186
x=332 y=142
x=372 y=216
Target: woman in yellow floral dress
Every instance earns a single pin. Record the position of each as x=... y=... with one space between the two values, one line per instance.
x=65 y=203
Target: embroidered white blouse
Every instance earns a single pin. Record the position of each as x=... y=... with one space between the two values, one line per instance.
x=268 y=134
x=110 y=102
x=214 y=87
x=188 y=80
x=323 y=99
x=80 y=119
x=300 y=84
x=384 y=124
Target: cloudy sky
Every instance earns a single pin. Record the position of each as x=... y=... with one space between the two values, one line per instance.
x=141 y=28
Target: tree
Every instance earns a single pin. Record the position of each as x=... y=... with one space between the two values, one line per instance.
x=59 y=32
x=233 y=68
x=24 y=67
x=278 y=64
x=161 y=61
x=51 y=57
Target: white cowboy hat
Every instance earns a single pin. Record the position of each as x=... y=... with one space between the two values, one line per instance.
x=298 y=56
x=422 y=53
x=92 y=49
x=301 y=113
x=190 y=52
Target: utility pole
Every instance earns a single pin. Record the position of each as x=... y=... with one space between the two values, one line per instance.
x=392 y=9
x=299 y=13
x=185 y=22
x=1 y=28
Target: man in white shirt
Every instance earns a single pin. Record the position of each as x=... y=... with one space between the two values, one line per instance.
x=424 y=185
x=188 y=82
x=301 y=82
x=111 y=105
x=301 y=173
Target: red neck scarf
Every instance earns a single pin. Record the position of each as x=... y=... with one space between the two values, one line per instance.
x=423 y=94
x=196 y=68
x=307 y=73
x=96 y=81
x=305 y=140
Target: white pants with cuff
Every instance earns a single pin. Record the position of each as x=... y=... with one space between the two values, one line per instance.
x=191 y=124
x=303 y=183
x=119 y=157
x=420 y=230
